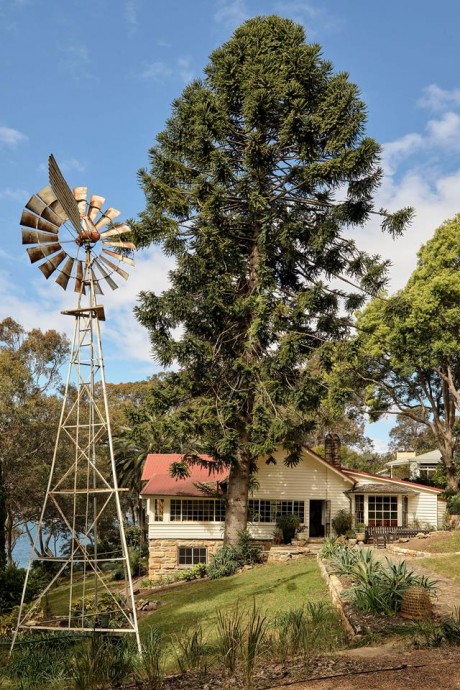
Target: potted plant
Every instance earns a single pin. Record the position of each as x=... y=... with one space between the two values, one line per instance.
x=350 y=536
x=288 y=524
x=360 y=531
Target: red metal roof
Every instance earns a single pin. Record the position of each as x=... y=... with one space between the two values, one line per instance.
x=160 y=483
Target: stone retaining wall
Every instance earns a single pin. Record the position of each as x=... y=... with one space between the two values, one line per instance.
x=335 y=590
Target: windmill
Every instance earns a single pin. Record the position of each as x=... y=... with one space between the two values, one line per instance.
x=79 y=242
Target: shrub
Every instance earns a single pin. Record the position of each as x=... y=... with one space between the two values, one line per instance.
x=229 y=559
x=288 y=524
x=379 y=588
x=224 y=563
x=342 y=522
x=12 y=583
x=195 y=573
x=152 y=660
x=344 y=560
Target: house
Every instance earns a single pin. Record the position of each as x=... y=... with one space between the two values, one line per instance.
x=417 y=466
x=186 y=516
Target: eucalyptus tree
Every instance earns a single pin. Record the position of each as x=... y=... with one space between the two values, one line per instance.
x=261 y=167
x=29 y=370
x=406 y=354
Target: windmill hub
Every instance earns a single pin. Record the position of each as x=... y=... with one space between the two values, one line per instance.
x=89 y=234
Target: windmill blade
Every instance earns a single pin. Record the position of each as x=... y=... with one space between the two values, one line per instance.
x=66 y=273
x=80 y=194
x=117 y=230
x=106 y=217
x=63 y=193
x=95 y=205
x=79 y=284
x=120 y=257
x=50 y=266
x=105 y=275
x=125 y=245
x=95 y=281
x=49 y=197
x=37 y=253
x=31 y=221
x=41 y=209
x=37 y=237
x=114 y=267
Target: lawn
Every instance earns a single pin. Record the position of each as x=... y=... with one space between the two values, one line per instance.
x=273 y=587
x=447 y=566
x=437 y=542
x=58 y=597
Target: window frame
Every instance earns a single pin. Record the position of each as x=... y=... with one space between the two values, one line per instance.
x=192 y=556
x=264 y=511
x=188 y=510
x=385 y=510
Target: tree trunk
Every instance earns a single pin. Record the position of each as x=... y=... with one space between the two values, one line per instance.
x=2 y=520
x=451 y=470
x=236 y=516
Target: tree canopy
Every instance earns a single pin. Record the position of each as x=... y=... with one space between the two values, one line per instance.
x=262 y=165
x=29 y=414
x=406 y=352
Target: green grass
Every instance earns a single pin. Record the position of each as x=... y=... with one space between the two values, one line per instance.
x=447 y=566
x=58 y=597
x=274 y=587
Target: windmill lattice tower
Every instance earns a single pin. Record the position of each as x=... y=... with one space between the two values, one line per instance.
x=69 y=238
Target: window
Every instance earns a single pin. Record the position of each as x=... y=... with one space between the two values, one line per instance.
x=158 y=509
x=262 y=510
x=191 y=555
x=427 y=471
x=197 y=510
x=383 y=511
x=359 y=509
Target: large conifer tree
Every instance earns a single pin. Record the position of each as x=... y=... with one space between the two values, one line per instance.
x=261 y=166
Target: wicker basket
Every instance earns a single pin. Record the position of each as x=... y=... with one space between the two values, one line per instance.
x=416 y=603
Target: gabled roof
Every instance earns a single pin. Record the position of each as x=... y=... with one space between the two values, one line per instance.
x=156 y=473
x=369 y=488
x=330 y=465
x=390 y=480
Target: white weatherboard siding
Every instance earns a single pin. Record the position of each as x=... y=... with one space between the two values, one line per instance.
x=422 y=506
x=310 y=479
x=186 y=530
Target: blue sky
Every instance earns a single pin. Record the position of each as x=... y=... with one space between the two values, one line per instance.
x=92 y=82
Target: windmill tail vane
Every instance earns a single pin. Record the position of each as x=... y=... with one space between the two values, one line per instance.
x=79 y=242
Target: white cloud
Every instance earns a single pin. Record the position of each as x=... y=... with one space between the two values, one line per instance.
x=159 y=71
x=130 y=8
x=11 y=137
x=124 y=339
x=76 y=61
x=231 y=13
x=436 y=98
x=185 y=70
x=10 y=194
x=444 y=131
x=156 y=71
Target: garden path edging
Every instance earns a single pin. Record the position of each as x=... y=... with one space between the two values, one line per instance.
x=335 y=589
x=421 y=554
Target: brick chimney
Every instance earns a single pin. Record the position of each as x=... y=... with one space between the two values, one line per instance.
x=332 y=446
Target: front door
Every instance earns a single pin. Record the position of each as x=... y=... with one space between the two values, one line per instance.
x=317 y=518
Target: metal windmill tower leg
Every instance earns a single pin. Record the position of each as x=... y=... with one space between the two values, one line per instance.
x=82 y=491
